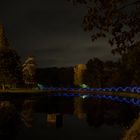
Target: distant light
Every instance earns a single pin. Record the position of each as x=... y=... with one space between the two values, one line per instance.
x=40 y=86
x=84 y=96
x=83 y=86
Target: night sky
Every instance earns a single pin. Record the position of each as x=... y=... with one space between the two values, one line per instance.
x=51 y=31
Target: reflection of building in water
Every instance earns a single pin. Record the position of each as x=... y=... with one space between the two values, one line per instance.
x=55 y=120
x=78 y=108
x=78 y=74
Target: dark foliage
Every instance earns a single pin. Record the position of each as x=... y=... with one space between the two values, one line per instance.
x=117 y=19
x=10 y=65
x=55 y=76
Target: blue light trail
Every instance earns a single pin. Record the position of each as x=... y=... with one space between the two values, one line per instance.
x=134 y=89
x=133 y=101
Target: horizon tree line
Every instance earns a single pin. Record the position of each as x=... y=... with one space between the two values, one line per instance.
x=13 y=73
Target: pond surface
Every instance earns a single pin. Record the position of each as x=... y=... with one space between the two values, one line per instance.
x=65 y=118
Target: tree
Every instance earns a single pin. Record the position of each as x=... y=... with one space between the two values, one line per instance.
x=29 y=69
x=79 y=70
x=10 y=65
x=117 y=19
x=131 y=63
x=65 y=76
x=111 y=75
x=94 y=73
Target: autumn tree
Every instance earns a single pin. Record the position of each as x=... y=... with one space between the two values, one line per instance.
x=79 y=70
x=29 y=71
x=119 y=20
x=10 y=66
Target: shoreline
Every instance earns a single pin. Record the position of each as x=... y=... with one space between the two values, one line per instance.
x=63 y=91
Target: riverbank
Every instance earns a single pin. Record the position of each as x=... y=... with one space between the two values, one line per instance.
x=133 y=133
x=62 y=91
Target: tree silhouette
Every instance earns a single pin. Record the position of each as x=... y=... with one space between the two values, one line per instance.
x=10 y=65
x=119 y=20
x=131 y=65
x=94 y=73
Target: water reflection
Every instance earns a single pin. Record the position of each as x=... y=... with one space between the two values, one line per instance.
x=27 y=113
x=100 y=112
x=79 y=111
x=50 y=113
x=55 y=120
x=9 y=120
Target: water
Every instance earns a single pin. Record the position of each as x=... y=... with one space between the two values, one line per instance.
x=65 y=118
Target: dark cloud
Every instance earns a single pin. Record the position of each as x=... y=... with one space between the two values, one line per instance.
x=52 y=31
